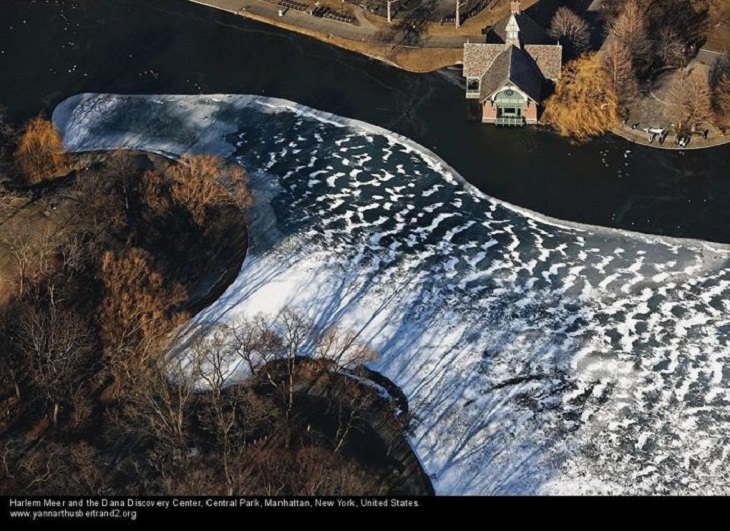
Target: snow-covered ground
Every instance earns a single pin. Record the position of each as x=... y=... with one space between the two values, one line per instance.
x=538 y=356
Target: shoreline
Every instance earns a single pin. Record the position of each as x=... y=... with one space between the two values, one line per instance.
x=639 y=137
x=378 y=53
x=461 y=410
x=415 y=59
x=63 y=114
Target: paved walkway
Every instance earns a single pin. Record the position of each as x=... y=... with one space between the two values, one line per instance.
x=708 y=57
x=697 y=142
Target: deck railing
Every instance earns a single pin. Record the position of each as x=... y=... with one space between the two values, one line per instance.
x=510 y=121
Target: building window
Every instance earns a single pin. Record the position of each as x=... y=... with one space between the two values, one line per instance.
x=509 y=112
x=472 y=84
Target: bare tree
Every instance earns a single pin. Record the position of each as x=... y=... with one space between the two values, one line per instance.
x=630 y=28
x=617 y=63
x=670 y=50
x=720 y=85
x=203 y=181
x=687 y=20
x=571 y=30
x=158 y=406
x=214 y=357
x=101 y=209
x=33 y=254
x=14 y=366
x=689 y=100
x=138 y=312
x=57 y=343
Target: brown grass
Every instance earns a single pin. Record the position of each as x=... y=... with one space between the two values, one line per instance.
x=427 y=59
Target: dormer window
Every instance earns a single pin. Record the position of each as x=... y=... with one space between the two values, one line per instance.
x=472 y=85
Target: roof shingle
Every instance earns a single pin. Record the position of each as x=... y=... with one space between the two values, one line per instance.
x=512 y=66
x=478 y=57
x=548 y=57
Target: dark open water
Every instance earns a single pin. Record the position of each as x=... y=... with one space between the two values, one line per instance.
x=50 y=50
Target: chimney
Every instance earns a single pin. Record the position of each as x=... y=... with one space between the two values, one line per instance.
x=515 y=6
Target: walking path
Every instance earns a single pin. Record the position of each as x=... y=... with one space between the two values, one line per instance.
x=638 y=136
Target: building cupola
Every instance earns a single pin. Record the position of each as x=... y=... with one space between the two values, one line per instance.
x=512 y=32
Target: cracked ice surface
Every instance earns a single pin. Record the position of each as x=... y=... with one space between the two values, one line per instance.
x=538 y=356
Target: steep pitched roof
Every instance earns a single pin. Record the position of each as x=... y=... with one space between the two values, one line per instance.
x=512 y=66
x=548 y=57
x=478 y=57
x=530 y=31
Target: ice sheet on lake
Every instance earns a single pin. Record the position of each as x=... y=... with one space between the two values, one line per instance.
x=539 y=356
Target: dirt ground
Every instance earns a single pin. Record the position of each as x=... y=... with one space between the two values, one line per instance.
x=719 y=38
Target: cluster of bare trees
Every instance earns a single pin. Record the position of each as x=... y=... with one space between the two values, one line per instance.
x=658 y=34
x=204 y=181
x=182 y=426
x=204 y=432
x=698 y=97
x=689 y=101
x=629 y=30
x=51 y=467
x=140 y=307
x=87 y=370
x=646 y=37
x=48 y=340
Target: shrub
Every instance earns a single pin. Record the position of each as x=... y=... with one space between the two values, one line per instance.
x=40 y=153
x=584 y=103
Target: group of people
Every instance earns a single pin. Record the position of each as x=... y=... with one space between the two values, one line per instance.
x=654 y=133
x=683 y=140
x=660 y=134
